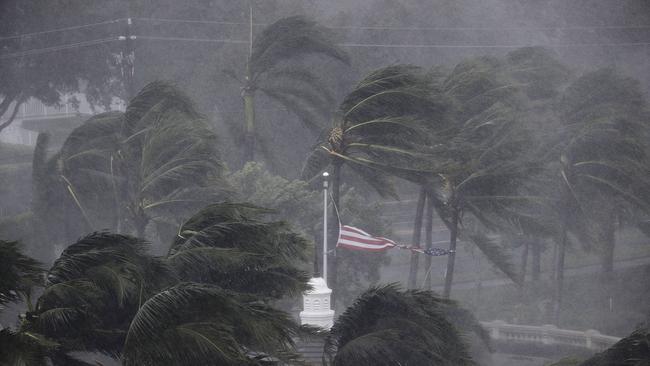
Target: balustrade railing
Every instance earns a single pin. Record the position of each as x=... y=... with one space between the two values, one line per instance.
x=548 y=335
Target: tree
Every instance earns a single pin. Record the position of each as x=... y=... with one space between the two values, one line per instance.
x=387 y=326
x=600 y=162
x=297 y=203
x=155 y=163
x=296 y=88
x=377 y=122
x=107 y=294
x=466 y=164
x=631 y=350
x=237 y=264
x=27 y=61
x=18 y=273
x=94 y=289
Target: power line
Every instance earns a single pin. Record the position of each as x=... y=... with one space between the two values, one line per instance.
x=381 y=45
x=198 y=21
x=195 y=21
x=192 y=39
x=560 y=45
x=384 y=27
x=38 y=51
x=60 y=29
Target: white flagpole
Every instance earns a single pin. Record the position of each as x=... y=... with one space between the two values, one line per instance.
x=325 y=176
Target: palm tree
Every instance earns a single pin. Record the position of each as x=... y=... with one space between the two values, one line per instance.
x=94 y=290
x=238 y=264
x=376 y=123
x=19 y=274
x=631 y=350
x=154 y=163
x=387 y=326
x=473 y=160
x=211 y=300
x=227 y=244
x=296 y=88
x=601 y=162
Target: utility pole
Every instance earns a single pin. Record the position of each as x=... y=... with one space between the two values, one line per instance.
x=127 y=57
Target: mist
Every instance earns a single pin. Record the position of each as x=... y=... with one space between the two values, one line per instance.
x=171 y=171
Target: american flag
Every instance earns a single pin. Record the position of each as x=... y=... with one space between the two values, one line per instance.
x=354 y=238
x=434 y=252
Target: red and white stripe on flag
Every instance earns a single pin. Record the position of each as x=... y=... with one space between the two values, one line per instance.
x=356 y=239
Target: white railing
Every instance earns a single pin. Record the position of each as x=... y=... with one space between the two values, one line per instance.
x=548 y=335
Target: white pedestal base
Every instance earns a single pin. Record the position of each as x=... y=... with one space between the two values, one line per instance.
x=316 y=305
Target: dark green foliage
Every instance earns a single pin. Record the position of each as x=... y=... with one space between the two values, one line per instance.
x=95 y=288
x=376 y=124
x=30 y=349
x=538 y=71
x=633 y=350
x=227 y=244
x=194 y=323
x=386 y=326
x=272 y=69
x=290 y=37
x=210 y=301
x=18 y=273
x=156 y=162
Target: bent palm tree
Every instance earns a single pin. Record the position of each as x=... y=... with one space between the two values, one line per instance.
x=386 y=326
x=297 y=88
x=18 y=273
x=156 y=162
x=209 y=302
x=376 y=126
x=600 y=160
x=94 y=289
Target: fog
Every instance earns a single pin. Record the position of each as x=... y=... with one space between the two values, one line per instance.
x=162 y=172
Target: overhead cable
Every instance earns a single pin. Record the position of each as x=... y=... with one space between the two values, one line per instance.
x=60 y=29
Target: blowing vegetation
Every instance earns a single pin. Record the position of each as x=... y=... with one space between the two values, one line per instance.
x=162 y=205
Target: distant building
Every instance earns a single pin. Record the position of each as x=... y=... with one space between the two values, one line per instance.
x=35 y=117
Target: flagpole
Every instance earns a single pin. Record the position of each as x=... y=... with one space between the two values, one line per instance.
x=325 y=183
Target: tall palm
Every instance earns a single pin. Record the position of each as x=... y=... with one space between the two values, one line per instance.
x=474 y=164
x=600 y=160
x=154 y=163
x=376 y=123
x=386 y=326
x=295 y=87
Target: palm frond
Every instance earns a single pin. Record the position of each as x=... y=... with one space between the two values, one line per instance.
x=18 y=272
x=291 y=37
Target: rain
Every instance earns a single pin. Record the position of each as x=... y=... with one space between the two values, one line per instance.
x=343 y=183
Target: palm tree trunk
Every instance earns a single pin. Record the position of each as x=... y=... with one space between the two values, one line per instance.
x=417 y=233
x=536 y=260
x=608 y=241
x=453 y=235
x=428 y=230
x=248 y=94
x=524 y=264
x=559 y=275
x=249 y=131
